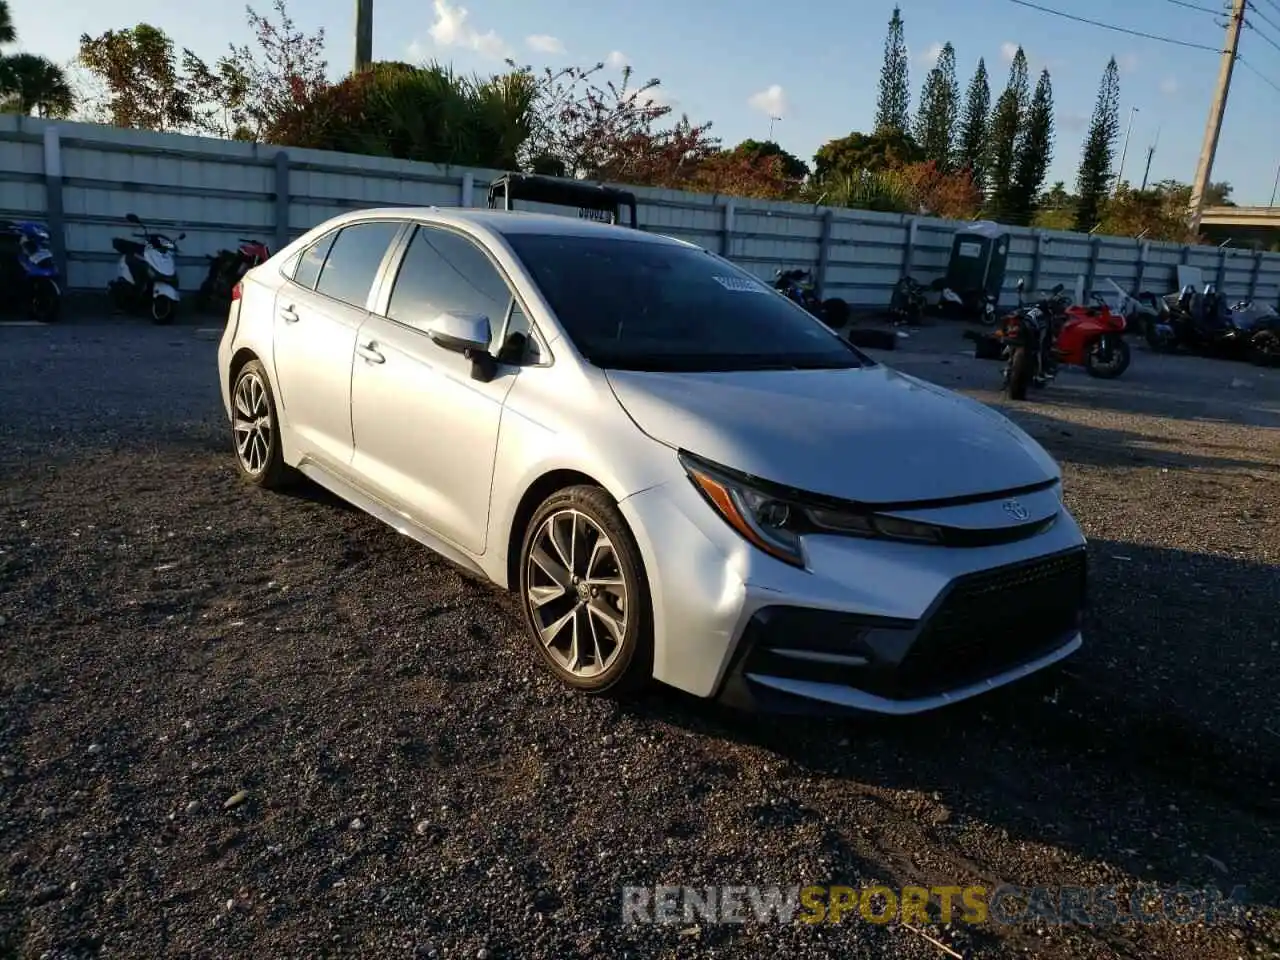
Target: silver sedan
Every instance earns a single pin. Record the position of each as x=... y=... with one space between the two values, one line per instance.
x=684 y=475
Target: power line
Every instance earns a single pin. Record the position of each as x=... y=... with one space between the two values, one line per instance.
x=1194 y=6
x=1265 y=19
x=1262 y=35
x=1109 y=26
x=1258 y=73
x=1274 y=4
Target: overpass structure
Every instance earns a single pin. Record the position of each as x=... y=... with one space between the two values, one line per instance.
x=1242 y=226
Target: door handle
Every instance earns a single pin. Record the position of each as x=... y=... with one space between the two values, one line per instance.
x=370 y=353
x=289 y=315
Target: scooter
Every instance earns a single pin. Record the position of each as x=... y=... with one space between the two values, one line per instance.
x=28 y=274
x=147 y=273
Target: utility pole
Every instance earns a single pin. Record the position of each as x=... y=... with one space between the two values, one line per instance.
x=1275 y=187
x=1151 y=152
x=364 y=34
x=772 y=120
x=1213 y=129
x=1124 y=151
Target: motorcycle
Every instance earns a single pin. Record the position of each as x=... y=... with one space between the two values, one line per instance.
x=797 y=285
x=28 y=274
x=147 y=273
x=226 y=269
x=907 y=302
x=1028 y=336
x=1203 y=323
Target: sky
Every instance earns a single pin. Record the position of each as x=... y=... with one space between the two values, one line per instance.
x=813 y=63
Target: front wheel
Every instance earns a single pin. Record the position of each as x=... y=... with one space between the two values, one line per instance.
x=162 y=309
x=46 y=301
x=1107 y=357
x=1019 y=373
x=584 y=593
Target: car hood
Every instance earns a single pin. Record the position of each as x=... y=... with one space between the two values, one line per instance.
x=869 y=434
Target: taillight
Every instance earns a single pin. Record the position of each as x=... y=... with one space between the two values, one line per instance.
x=236 y=291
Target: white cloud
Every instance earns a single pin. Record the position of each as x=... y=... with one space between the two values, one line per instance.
x=1169 y=86
x=1008 y=50
x=452 y=29
x=1128 y=63
x=772 y=102
x=929 y=57
x=544 y=43
x=1073 y=121
x=617 y=60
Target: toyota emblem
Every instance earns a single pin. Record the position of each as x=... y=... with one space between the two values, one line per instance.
x=1016 y=510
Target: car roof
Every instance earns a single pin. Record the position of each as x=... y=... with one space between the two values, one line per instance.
x=516 y=221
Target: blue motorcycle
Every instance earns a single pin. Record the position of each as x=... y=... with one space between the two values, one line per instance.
x=28 y=274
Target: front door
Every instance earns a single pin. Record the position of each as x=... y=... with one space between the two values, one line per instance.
x=425 y=431
x=317 y=315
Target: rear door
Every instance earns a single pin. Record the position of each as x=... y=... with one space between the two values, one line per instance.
x=317 y=315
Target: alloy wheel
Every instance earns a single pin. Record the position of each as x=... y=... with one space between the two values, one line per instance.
x=577 y=593
x=252 y=424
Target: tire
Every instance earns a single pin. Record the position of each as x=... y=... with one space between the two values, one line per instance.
x=625 y=664
x=162 y=310
x=835 y=312
x=1020 y=365
x=45 y=303
x=1120 y=365
x=262 y=462
x=1264 y=349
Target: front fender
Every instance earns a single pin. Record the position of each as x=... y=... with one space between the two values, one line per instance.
x=165 y=290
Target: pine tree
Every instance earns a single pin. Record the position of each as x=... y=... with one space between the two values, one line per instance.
x=939 y=106
x=1034 y=154
x=971 y=151
x=893 y=110
x=1099 y=150
x=1006 y=124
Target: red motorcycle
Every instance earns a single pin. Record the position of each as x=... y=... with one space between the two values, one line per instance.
x=1093 y=337
x=226 y=269
x=1035 y=340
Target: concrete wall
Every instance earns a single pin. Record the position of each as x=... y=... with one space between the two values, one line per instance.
x=83 y=178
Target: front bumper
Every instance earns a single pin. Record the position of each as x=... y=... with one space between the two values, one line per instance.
x=985 y=630
x=874 y=626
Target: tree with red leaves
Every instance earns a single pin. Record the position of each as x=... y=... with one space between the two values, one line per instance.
x=950 y=195
x=610 y=131
x=281 y=78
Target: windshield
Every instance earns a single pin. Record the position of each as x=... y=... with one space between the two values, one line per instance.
x=636 y=305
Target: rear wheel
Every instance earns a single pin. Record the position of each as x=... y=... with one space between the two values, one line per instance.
x=255 y=429
x=1265 y=349
x=1107 y=357
x=584 y=593
x=1019 y=374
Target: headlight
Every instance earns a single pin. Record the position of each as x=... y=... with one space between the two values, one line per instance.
x=775 y=520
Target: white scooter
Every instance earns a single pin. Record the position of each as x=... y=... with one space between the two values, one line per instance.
x=147 y=275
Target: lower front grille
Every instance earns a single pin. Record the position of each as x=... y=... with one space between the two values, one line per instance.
x=995 y=620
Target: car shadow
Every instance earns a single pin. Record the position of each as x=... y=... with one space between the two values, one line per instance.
x=1155 y=748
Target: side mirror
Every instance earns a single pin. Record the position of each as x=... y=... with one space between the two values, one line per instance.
x=1057 y=289
x=182 y=236
x=461 y=333
x=132 y=218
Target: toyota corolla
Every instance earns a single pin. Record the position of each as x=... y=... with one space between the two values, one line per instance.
x=683 y=475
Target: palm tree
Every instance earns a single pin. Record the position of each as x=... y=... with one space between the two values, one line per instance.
x=7 y=33
x=33 y=83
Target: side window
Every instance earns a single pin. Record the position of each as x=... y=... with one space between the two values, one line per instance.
x=308 y=265
x=353 y=262
x=518 y=343
x=445 y=272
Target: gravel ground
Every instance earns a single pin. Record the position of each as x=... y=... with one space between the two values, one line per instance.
x=242 y=724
